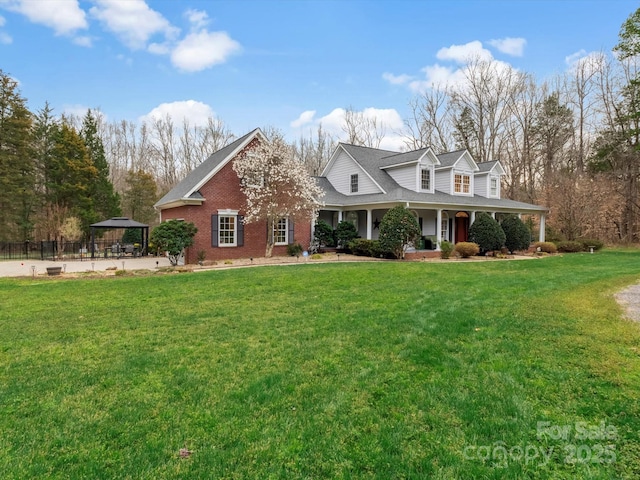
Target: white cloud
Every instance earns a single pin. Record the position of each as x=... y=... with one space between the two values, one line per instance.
x=397 y=79
x=76 y=110
x=132 y=21
x=305 y=118
x=83 y=41
x=463 y=53
x=510 y=46
x=5 y=38
x=201 y=50
x=387 y=118
x=197 y=18
x=575 y=57
x=63 y=16
x=197 y=113
x=2 y=21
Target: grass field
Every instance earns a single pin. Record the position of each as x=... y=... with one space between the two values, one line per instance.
x=496 y=370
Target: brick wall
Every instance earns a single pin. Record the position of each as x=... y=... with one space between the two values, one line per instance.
x=220 y=193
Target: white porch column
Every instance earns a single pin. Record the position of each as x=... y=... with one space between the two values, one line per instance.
x=339 y=216
x=542 y=226
x=473 y=217
x=369 y=224
x=438 y=229
x=493 y=215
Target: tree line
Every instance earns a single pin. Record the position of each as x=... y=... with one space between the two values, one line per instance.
x=569 y=143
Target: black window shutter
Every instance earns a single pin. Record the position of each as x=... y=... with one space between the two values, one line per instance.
x=214 y=230
x=290 y=232
x=240 y=230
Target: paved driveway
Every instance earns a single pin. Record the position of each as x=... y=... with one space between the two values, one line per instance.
x=24 y=268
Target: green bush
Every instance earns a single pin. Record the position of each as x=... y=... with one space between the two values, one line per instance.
x=546 y=247
x=467 y=249
x=486 y=232
x=324 y=234
x=446 y=249
x=132 y=235
x=294 y=249
x=517 y=234
x=398 y=229
x=365 y=248
x=570 y=246
x=345 y=232
x=591 y=242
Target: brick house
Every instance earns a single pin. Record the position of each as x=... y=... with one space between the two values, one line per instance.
x=211 y=198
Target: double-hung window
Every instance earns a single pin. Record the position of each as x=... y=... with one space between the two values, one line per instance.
x=227 y=230
x=354 y=183
x=461 y=183
x=425 y=179
x=280 y=230
x=494 y=187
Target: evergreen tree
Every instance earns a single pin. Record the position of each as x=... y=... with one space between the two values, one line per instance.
x=106 y=200
x=486 y=232
x=517 y=234
x=71 y=176
x=139 y=197
x=398 y=229
x=16 y=165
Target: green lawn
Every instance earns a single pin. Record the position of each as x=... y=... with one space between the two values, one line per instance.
x=362 y=370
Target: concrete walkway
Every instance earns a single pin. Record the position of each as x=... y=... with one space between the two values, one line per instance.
x=25 y=268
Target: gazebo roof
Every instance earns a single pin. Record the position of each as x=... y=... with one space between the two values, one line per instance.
x=119 y=222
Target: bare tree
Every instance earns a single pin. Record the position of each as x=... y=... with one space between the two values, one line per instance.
x=363 y=130
x=314 y=152
x=430 y=121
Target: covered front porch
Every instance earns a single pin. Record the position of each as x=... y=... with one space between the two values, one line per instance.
x=443 y=223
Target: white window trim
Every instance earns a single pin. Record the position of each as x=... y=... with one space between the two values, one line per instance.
x=463 y=174
x=444 y=232
x=286 y=231
x=224 y=214
x=351 y=184
x=431 y=171
x=497 y=180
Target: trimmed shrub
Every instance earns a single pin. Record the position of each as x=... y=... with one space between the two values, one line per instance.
x=546 y=247
x=466 y=249
x=398 y=229
x=324 y=234
x=365 y=248
x=486 y=232
x=591 y=242
x=446 y=249
x=570 y=246
x=345 y=232
x=294 y=249
x=517 y=234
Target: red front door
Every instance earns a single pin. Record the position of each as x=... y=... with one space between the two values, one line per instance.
x=462 y=229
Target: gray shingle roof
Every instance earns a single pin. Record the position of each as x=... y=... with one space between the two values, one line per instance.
x=405 y=157
x=184 y=189
x=449 y=158
x=372 y=159
x=486 y=166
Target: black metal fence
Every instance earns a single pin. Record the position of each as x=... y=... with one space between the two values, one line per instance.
x=53 y=250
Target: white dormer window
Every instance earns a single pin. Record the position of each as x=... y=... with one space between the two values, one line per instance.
x=461 y=183
x=425 y=179
x=354 y=183
x=494 y=186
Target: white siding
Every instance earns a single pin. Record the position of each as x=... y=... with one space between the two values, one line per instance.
x=443 y=181
x=481 y=185
x=404 y=176
x=340 y=176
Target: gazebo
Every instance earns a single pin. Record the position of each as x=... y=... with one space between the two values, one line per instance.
x=120 y=222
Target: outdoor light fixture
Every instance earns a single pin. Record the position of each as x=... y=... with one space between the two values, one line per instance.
x=64 y=268
x=33 y=270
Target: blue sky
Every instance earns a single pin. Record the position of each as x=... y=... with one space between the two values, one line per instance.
x=286 y=63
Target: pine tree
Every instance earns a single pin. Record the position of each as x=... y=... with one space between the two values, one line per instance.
x=71 y=176
x=16 y=165
x=139 y=196
x=106 y=200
